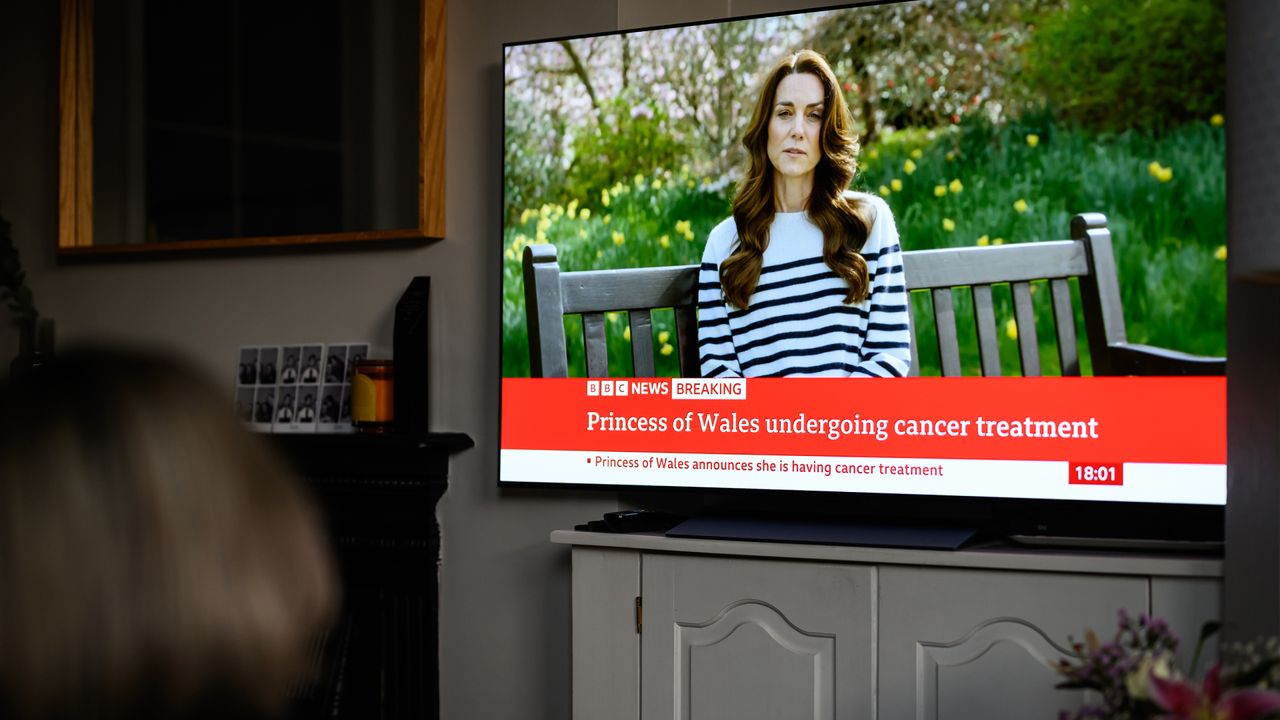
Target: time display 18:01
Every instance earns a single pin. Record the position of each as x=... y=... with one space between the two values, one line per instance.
x=1095 y=474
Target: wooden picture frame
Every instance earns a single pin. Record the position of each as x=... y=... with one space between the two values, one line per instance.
x=75 y=152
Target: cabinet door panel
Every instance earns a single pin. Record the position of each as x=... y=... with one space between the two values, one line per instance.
x=965 y=643
x=755 y=639
x=606 y=648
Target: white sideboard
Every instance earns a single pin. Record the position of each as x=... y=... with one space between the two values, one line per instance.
x=681 y=629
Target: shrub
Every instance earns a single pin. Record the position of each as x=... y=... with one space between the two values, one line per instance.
x=1118 y=64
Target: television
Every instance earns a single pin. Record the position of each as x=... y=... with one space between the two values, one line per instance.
x=924 y=125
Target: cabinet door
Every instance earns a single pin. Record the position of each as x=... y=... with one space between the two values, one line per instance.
x=756 y=639
x=606 y=648
x=978 y=644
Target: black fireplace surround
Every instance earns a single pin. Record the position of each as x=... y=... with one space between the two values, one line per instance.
x=379 y=494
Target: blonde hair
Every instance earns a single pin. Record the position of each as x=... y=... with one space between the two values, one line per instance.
x=157 y=559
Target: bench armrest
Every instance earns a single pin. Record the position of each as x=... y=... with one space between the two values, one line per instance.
x=1134 y=359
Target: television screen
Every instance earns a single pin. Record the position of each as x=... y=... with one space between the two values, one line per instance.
x=950 y=248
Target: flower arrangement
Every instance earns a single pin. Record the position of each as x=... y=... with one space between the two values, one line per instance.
x=1137 y=676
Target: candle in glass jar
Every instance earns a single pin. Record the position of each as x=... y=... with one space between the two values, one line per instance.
x=372 y=395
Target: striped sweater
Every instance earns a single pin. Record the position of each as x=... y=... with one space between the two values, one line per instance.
x=798 y=322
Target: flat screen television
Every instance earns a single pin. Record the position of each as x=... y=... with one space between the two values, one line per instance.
x=792 y=160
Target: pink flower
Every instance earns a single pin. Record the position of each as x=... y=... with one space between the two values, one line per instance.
x=1183 y=701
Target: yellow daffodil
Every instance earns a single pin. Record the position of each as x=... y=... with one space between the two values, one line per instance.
x=884 y=191
x=656 y=185
x=1011 y=329
x=1020 y=205
x=908 y=167
x=639 y=180
x=688 y=235
x=540 y=237
x=520 y=241
x=1033 y=139
x=606 y=218
x=896 y=184
x=1160 y=172
x=664 y=241
x=667 y=349
x=544 y=211
x=984 y=241
x=664 y=336
x=956 y=186
x=604 y=197
x=524 y=216
x=544 y=224
x=939 y=190
x=618 y=239
x=917 y=153
x=948 y=224
x=951 y=156
x=511 y=254
x=582 y=233
x=1217 y=120
x=873 y=153
x=706 y=181
x=618 y=189
x=572 y=210
x=1220 y=253
x=998 y=241
x=690 y=184
x=684 y=227
x=586 y=213
x=626 y=333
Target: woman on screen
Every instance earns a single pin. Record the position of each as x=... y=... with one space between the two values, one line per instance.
x=805 y=279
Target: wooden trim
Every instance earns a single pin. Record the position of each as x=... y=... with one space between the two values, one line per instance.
x=75 y=153
x=284 y=242
x=75 y=103
x=431 y=124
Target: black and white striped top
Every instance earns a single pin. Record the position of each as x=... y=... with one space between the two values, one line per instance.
x=798 y=323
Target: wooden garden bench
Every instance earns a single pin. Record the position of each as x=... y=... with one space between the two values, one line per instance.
x=550 y=294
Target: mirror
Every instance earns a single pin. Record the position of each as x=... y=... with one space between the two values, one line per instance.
x=244 y=125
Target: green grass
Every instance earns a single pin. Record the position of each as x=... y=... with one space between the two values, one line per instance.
x=1169 y=236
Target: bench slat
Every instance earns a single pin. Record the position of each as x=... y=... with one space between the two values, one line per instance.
x=944 y=314
x=1065 y=322
x=984 y=315
x=631 y=289
x=911 y=328
x=1025 y=316
x=641 y=343
x=951 y=267
x=596 y=346
x=687 y=341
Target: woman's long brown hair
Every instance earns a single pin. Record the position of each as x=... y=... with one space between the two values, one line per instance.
x=843 y=222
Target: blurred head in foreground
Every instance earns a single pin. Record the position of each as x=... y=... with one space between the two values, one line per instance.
x=156 y=560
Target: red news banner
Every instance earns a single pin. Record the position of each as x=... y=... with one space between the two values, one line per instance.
x=1087 y=421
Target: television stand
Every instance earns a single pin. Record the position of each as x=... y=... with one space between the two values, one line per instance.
x=768 y=629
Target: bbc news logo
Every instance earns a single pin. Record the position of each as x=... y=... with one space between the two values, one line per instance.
x=675 y=388
x=607 y=388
